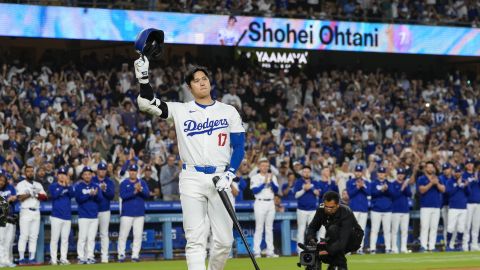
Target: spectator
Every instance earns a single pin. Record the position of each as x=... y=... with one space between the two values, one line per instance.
x=169 y=179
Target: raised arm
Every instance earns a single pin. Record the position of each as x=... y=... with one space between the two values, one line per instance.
x=147 y=102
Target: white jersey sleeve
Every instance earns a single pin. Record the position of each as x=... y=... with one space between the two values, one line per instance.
x=22 y=189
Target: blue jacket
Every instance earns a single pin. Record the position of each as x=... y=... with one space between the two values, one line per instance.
x=87 y=204
x=457 y=194
x=400 y=198
x=291 y=194
x=445 y=179
x=241 y=187
x=381 y=200
x=133 y=204
x=308 y=201
x=108 y=194
x=358 y=197
x=7 y=192
x=474 y=186
x=433 y=197
x=324 y=186
x=61 y=200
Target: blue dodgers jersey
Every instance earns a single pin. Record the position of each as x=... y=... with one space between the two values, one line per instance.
x=308 y=201
x=457 y=194
x=6 y=193
x=358 y=197
x=433 y=197
x=325 y=186
x=400 y=198
x=474 y=185
x=290 y=195
x=381 y=200
x=133 y=204
x=444 y=179
x=61 y=200
x=108 y=194
x=87 y=204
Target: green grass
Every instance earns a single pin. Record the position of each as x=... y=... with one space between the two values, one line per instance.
x=413 y=261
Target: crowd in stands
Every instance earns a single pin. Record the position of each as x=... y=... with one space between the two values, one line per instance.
x=432 y=12
x=75 y=116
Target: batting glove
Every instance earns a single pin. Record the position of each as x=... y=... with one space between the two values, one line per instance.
x=141 y=69
x=225 y=181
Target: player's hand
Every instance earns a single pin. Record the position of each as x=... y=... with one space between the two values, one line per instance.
x=225 y=181
x=307 y=186
x=12 y=199
x=385 y=187
x=141 y=69
x=316 y=192
x=103 y=186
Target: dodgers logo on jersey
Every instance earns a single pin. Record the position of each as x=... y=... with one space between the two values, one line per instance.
x=193 y=128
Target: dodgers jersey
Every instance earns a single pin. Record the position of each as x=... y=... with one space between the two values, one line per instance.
x=6 y=193
x=261 y=190
x=61 y=200
x=203 y=132
x=474 y=186
x=26 y=187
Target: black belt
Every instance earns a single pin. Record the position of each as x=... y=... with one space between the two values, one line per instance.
x=32 y=209
x=267 y=200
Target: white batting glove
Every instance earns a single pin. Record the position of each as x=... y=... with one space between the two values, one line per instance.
x=141 y=69
x=225 y=181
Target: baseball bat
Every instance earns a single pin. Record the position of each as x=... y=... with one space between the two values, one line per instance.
x=236 y=224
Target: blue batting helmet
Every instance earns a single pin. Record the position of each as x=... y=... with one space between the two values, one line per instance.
x=149 y=43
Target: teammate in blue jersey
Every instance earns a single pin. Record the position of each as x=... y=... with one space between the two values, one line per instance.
x=61 y=193
x=288 y=188
x=458 y=191
x=472 y=225
x=444 y=177
x=326 y=183
x=381 y=214
x=87 y=195
x=358 y=189
x=306 y=192
x=7 y=233
x=430 y=188
x=133 y=192
x=401 y=193
x=107 y=188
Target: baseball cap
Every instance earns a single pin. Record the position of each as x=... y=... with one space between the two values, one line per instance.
x=133 y=167
x=470 y=160
x=359 y=168
x=400 y=171
x=446 y=166
x=157 y=132
x=101 y=166
x=381 y=170
x=148 y=168
x=63 y=170
x=87 y=169
x=458 y=168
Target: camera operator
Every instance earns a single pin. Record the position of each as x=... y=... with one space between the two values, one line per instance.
x=343 y=234
x=7 y=232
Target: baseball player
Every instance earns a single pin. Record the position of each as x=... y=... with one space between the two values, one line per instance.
x=326 y=183
x=358 y=190
x=457 y=189
x=211 y=143
x=7 y=233
x=381 y=191
x=444 y=177
x=30 y=193
x=88 y=195
x=472 y=225
x=264 y=186
x=107 y=188
x=401 y=192
x=306 y=192
x=61 y=193
x=133 y=192
x=430 y=189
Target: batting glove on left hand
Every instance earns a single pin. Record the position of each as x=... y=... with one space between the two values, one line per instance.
x=225 y=181
x=141 y=69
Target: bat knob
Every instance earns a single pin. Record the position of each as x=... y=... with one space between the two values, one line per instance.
x=215 y=179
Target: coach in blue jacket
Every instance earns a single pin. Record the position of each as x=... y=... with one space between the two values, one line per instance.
x=61 y=192
x=133 y=192
x=358 y=190
x=381 y=191
x=472 y=225
x=401 y=193
x=87 y=195
x=107 y=188
x=458 y=190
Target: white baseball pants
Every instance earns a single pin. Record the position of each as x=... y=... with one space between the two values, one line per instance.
x=60 y=229
x=472 y=226
x=429 y=218
x=29 y=229
x=264 y=216
x=103 y=224
x=361 y=218
x=7 y=234
x=444 y=216
x=87 y=231
x=385 y=218
x=400 y=220
x=200 y=200
x=303 y=220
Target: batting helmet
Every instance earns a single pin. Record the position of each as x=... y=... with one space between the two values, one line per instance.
x=149 y=43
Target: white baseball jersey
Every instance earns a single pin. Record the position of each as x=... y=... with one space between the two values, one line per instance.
x=229 y=36
x=204 y=133
x=266 y=193
x=25 y=187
